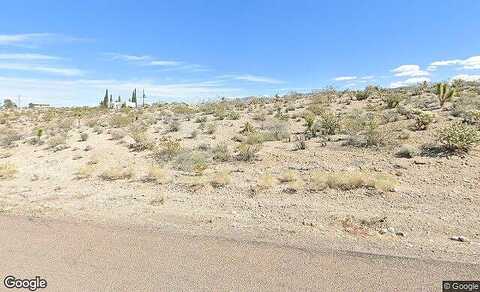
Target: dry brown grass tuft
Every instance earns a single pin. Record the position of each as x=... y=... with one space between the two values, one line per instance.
x=221 y=179
x=85 y=171
x=7 y=170
x=117 y=173
x=349 y=180
x=157 y=174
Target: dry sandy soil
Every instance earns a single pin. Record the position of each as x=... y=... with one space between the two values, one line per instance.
x=275 y=197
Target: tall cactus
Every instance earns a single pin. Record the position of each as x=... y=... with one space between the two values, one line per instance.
x=444 y=93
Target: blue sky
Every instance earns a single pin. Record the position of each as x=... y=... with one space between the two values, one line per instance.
x=68 y=52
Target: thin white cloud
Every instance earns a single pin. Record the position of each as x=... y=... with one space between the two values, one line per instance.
x=42 y=69
x=35 y=39
x=408 y=82
x=469 y=63
x=256 y=78
x=164 y=63
x=466 y=77
x=409 y=71
x=28 y=57
x=90 y=91
x=345 y=78
x=144 y=60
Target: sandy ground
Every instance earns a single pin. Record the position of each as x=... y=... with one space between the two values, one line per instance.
x=436 y=198
x=74 y=256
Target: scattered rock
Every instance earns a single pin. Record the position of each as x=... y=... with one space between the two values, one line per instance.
x=459 y=238
x=34 y=177
x=77 y=157
x=306 y=222
x=60 y=147
x=88 y=148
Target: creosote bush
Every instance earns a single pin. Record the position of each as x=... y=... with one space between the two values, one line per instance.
x=423 y=119
x=459 y=137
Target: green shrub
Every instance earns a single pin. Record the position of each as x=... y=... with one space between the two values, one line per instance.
x=248 y=152
x=459 y=137
x=221 y=152
x=328 y=123
x=423 y=119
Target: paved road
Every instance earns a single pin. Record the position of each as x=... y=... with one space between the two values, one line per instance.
x=82 y=257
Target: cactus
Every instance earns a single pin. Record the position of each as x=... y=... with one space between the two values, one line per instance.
x=444 y=93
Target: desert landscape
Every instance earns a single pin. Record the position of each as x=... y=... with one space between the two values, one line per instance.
x=379 y=170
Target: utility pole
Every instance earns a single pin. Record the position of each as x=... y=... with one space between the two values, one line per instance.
x=143 y=98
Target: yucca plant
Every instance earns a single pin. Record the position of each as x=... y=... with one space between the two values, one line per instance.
x=444 y=93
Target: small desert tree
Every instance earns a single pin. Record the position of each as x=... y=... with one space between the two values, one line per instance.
x=444 y=93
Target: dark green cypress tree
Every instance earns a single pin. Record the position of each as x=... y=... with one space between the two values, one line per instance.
x=105 y=99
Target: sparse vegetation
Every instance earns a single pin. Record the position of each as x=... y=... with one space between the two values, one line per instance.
x=459 y=137
x=7 y=170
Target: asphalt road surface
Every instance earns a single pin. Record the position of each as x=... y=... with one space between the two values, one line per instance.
x=83 y=257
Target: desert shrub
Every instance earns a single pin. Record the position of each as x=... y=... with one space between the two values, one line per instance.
x=363 y=129
x=92 y=122
x=57 y=140
x=328 y=123
x=120 y=120
x=352 y=180
x=310 y=118
x=157 y=174
x=254 y=138
x=204 y=147
x=83 y=137
x=85 y=171
x=192 y=161
x=423 y=119
x=265 y=181
x=201 y=119
x=173 y=126
x=278 y=131
x=221 y=179
x=300 y=143
x=459 y=137
x=247 y=152
x=210 y=128
x=361 y=95
x=167 y=149
x=141 y=141
x=407 y=151
x=221 y=152
x=98 y=129
x=182 y=109
x=247 y=129
x=316 y=108
x=233 y=115
x=65 y=124
x=8 y=137
x=7 y=170
x=259 y=116
x=374 y=135
x=287 y=176
x=117 y=173
x=117 y=134
x=392 y=100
